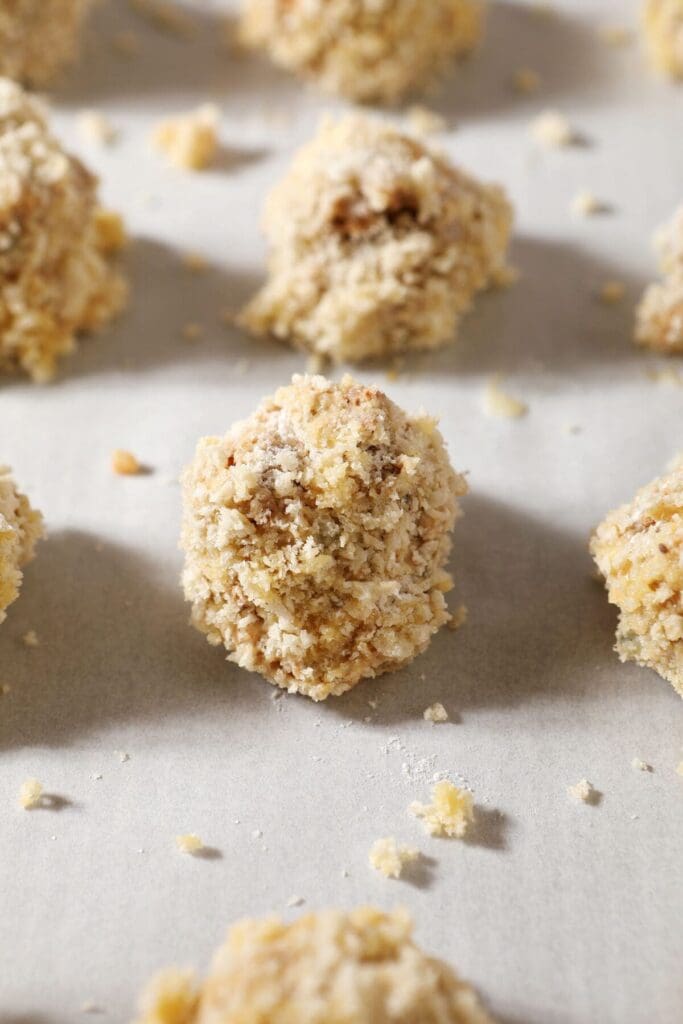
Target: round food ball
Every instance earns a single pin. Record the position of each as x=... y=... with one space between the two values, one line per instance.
x=56 y=277
x=639 y=551
x=38 y=37
x=378 y=245
x=663 y=26
x=316 y=533
x=659 y=317
x=361 y=967
x=20 y=528
x=363 y=49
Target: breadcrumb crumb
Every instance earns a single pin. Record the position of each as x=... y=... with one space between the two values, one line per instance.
x=583 y=791
x=30 y=639
x=435 y=713
x=424 y=121
x=526 y=81
x=450 y=813
x=459 y=617
x=30 y=793
x=552 y=130
x=611 y=292
x=110 y=230
x=124 y=463
x=586 y=204
x=95 y=127
x=195 y=262
x=640 y=766
x=387 y=857
x=189 y=843
x=190 y=141
x=499 y=404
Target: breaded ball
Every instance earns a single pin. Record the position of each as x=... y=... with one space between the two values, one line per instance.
x=378 y=245
x=20 y=528
x=363 y=49
x=316 y=533
x=639 y=551
x=38 y=37
x=56 y=278
x=659 y=317
x=360 y=967
x=663 y=27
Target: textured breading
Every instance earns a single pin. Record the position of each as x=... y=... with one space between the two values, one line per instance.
x=363 y=49
x=20 y=529
x=639 y=551
x=377 y=244
x=55 y=276
x=361 y=967
x=38 y=37
x=659 y=317
x=316 y=534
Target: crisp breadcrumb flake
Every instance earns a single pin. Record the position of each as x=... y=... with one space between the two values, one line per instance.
x=450 y=813
x=30 y=794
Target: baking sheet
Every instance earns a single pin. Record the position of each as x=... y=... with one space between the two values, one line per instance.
x=561 y=914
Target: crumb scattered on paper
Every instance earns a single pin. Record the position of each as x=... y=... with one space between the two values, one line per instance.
x=30 y=794
x=124 y=463
x=389 y=858
x=450 y=813
x=552 y=130
x=586 y=204
x=190 y=141
x=499 y=404
x=583 y=792
x=189 y=843
x=435 y=713
x=30 y=639
x=611 y=292
x=640 y=766
x=97 y=128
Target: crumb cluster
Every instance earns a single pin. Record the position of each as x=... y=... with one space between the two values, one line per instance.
x=190 y=141
x=659 y=317
x=639 y=551
x=663 y=26
x=38 y=37
x=450 y=813
x=55 y=278
x=360 y=967
x=389 y=858
x=316 y=533
x=378 y=244
x=20 y=528
x=363 y=49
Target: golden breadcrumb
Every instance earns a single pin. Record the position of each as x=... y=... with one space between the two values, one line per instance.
x=663 y=28
x=611 y=292
x=111 y=231
x=377 y=245
x=96 y=128
x=435 y=713
x=387 y=857
x=552 y=129
x=20 y=528
x=360 y=967
x=30 y=639
x=189 y=843
x=500 y=404
x=190 y=141
x=659 y=317
x=365 y=50
x=450 y=813
x=30 y=794
x=55 y=279
x=316 y=534
x=639 y=552
x=124 y=463
x=39 y=37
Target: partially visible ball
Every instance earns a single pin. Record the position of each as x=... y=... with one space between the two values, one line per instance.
x=360 y=967
x=378 y=245
x=663 y=27
x=659 y=316
x=38 y=37
x=20 y=528
x=363 y=49
x=639 y=551
x=316 y=533
x=56 y=276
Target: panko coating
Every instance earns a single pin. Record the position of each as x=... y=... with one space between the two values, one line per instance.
x=639 y=551
x=39 y=37
x=378 y=245
x=20 y=528
x=365 y=50
x=316 y=533
x=56 y=275
x=360 y=967
x=659 y=316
